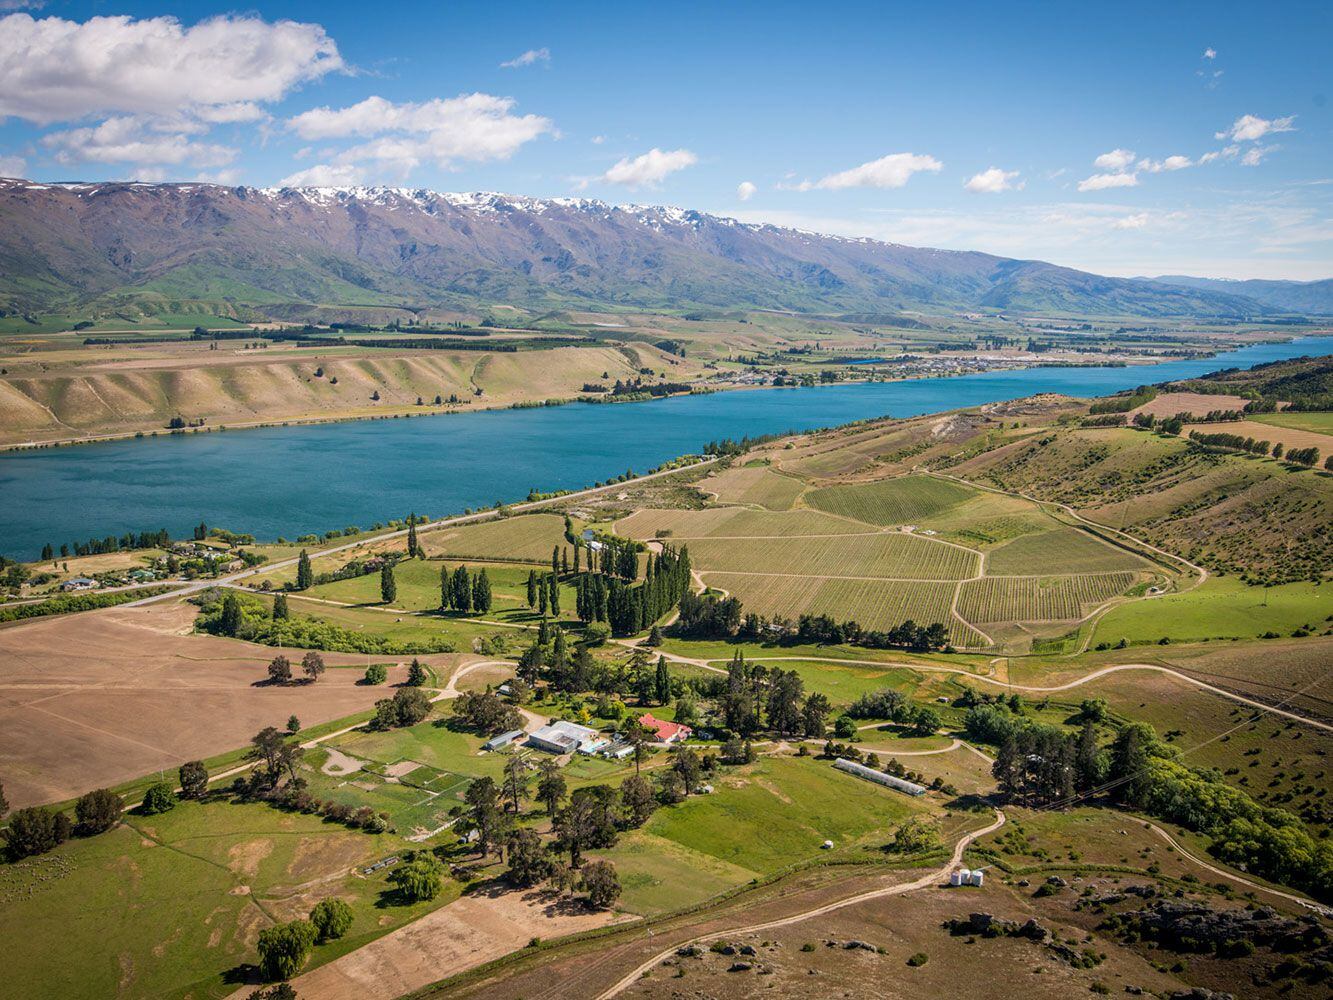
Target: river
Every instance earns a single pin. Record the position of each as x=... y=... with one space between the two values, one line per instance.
x=291 y=480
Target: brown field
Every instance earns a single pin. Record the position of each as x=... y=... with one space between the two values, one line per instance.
x=756 y=485
x=1196 y=404
x=107 y=696
x=1288 y=437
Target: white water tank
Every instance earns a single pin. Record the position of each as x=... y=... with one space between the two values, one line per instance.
x=978 y=877
x=958 y=877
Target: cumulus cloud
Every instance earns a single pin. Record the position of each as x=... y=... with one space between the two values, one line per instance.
x=1100 y=182
x=745 y=190
x=1115 y=161
x=54 y=70
x=325 y=175
x=1138 y=220
x=476 y=127
x=1167 y=165
x=1210 y=53
x=137 y=140
x=1249 y=128
x=992 y=181
x=650 y=168
x=892 y=171
x=12 y=166
x=528 y=58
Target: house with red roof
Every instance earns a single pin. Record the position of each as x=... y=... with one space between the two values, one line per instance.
x=667 y=732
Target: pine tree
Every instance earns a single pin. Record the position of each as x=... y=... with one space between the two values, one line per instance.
x=305 y=576
x=662 y=682
x=1087 y=759
x=481 y=592
x=388 y=585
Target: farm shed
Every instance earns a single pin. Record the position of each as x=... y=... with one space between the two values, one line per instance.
x=562 y=737
x=879 y=777
x=503 y=740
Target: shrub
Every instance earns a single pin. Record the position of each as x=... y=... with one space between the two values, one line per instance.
x=159 y=798
x=918 y=960
x=98 y=811
x=376 y=673
x=35 y=831
x=420 y=879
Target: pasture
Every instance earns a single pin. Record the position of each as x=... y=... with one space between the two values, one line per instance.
x=1315 y=423
x=906 y=500
x=524 y=538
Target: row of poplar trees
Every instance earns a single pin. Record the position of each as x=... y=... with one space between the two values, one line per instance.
x=632 y=607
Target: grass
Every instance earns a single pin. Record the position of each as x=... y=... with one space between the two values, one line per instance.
x=906 y=500
x=1318 y=423
x=658 y=874
x=527 y=538
x=156 y=907
x=756 y=485
x=1220 y=608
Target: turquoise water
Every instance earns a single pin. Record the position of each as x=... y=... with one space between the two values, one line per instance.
x=292 y=480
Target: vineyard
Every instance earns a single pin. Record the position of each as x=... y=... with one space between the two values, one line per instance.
x=756 y=485
x=874 y=604
x=907 y=500
x=1061 y=550
x=1034 y=599
x=896 y=556
x=529 y=538
x=736 y=522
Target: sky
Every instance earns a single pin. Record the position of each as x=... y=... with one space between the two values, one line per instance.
x=1126 y=139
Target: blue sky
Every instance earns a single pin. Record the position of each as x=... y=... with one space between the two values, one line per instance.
x=1126 y=139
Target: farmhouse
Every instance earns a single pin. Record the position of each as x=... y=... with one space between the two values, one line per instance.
x=667 y=732
x=79 y=583
x=564 y=737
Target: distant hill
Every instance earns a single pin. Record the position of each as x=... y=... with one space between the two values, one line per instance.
x=285 y=251
x=1310 y=298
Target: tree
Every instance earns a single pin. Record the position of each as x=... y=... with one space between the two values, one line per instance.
x=331 y=918
x=413 y=549
x=601 y=884
x=553 y=598
x=516 y=781
x=285 y=948
x=784 y=702
x=585 y=822
x=279 y=991
x=483 y=802
x=654 y=637
x=917 y=834
x=312 y=665
x=460 y=591
x=279 y=670
x=925 y=721
x=416 y=673
x=685 y=762
x=305 y=576
x=193 y=779
x=4 y=802
x=98 y=811
x=280 y=610
x=230 y=623
x=388 y=585
x=267 y=746
x=532 y=588
x=844 y=728
x=1088 y=765
x=815 y=713
x=551 y=787
x=376 y=673
x=662 y=682
x=420 y=879
x=1129 y=762
x=34 y=830
x=158 y=798
x=446 y=589
x=528 y=863
x=407 y=707
x=293 y=725
x=637 y=799
x=481 y=592
x=638 y=736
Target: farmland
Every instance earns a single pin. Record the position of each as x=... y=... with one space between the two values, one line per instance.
x=1068 y=550
x=1034 y=599
x=891 y=556
x=528 y=538
x=757 y=485
x=907 y=500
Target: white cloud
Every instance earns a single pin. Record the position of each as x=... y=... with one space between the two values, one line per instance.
x=1138 y=220
x=649 y=168
x=597 y=140
x=53 y=70
x=12 y=166
x=745 y=190
x=1100 y=182
x=528 y=58
x=135 y=139
x=1210 y=53
x=325 y=175
x=1248 y=128
x=475 y=127
x=992 y=181
x=1169 y=164
x=892 y=171
x=1115 y=161
x=1255 y=155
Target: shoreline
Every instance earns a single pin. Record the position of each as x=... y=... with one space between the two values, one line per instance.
x=415 y=412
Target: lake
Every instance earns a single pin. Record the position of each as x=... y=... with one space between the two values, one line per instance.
x=292 y=480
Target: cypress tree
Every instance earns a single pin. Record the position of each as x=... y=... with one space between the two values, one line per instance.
x=305 y=576
x=462 y=590
x=413 y=549
x=663 y=682
x=541 y=599
x=532 y=588
x=445 y=591
x=481 y=592
x=554 y=599
x=555 y=560
x=280 y=612
x=388 y=585
x=578 y=548
x=231 y=614
x=564 y=561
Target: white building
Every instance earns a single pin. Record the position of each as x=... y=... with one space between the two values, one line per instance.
x=563 y=737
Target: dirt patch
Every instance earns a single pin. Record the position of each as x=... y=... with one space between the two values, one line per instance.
x=102 y=697
x=401 y=769
x=244 y=858
x=339 y=763
x=1196 y=404
x=464 y=934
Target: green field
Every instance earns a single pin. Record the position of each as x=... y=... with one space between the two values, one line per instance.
x=907 y=500
x=1318 y=423
x=527 y=538
x=886 y=555
x=1060 y=550
x=1034 y=599
x=1220 y=608
x=757 y=485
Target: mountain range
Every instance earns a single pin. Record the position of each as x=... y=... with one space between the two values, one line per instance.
x=285 y=252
